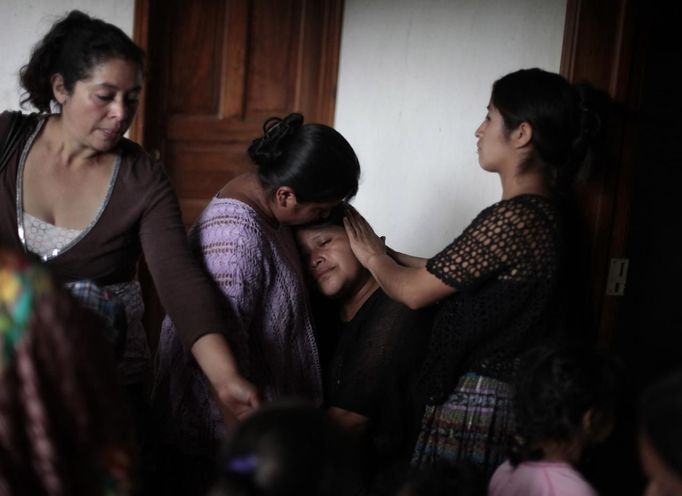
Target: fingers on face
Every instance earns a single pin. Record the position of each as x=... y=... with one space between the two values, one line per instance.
x=357 y=220
x=348 y=224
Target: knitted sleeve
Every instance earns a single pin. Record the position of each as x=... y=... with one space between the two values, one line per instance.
x=231 y=246
x=497 y=244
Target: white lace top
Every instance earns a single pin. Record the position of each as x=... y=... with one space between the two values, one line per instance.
x=46 y=239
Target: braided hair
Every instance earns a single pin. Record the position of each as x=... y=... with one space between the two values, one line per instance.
x=64 y=423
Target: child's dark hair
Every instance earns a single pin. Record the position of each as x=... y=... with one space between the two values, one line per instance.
x=660 y=411
x=73 y=47
x=555 y=386
x=312 y=159
x=563 y=117
x=290 y=448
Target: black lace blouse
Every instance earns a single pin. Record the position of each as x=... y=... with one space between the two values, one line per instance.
x=504 y=267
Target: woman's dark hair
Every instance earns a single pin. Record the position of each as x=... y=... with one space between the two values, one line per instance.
x=65 y=426
x=555 y=386
x=660 y=414
x=73 y=47
x=312 y=159
x=335 y=217
x=288 y=449
x=563 y=117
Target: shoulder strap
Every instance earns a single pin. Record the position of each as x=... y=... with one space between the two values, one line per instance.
x=19 y=124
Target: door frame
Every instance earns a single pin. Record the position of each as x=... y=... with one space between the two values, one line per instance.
x=141 y=37
x=601 y=44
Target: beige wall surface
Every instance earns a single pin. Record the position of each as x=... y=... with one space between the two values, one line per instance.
x=24 y=22
x=414 y=82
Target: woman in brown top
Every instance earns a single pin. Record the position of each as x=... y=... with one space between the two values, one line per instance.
x=89 y=202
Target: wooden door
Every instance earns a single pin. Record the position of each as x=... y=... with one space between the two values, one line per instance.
x=598 y=48
x=216 y=70
x=631 y=50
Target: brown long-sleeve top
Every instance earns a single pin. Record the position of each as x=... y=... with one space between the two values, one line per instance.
x=141 y=216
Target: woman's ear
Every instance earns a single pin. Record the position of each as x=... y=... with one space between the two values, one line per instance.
x=522 y=135
x=58 y=89
x=285 y=197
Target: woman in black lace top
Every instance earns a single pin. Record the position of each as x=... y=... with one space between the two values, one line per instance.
x=497 y=281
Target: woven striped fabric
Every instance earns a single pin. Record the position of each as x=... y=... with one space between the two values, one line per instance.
x=473 y=424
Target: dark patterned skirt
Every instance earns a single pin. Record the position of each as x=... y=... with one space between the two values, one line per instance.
x=473 y=424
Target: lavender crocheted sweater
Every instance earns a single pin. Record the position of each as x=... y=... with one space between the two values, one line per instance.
x=257 y=268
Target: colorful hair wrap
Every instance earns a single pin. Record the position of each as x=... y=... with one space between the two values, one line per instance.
x=21 y=285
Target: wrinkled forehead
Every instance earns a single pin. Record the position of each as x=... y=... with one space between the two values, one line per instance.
x=308 y=235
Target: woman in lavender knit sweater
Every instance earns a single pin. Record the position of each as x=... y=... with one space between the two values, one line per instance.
x=245 y=243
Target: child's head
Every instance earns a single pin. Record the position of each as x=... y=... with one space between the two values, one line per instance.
x=660 y=424
x=287 y=449
x=564 y=401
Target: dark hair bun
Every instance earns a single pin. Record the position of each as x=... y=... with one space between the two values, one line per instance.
x=589 y=125
x=312 y=159
x=270 y=147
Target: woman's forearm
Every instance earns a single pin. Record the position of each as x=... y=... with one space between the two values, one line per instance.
x=414 y=287
x=215 y=358
x=236 y=397
x=405 y=259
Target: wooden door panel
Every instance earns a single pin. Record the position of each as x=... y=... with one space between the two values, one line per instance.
x=273 y=71
x=199 y=168
x=195 y=75
x=598 y=48
x=221 y=67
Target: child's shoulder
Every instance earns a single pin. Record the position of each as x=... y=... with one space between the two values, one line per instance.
x=539 y=479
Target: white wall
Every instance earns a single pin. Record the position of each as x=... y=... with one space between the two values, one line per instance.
x=414 y=81
x=24 y=22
